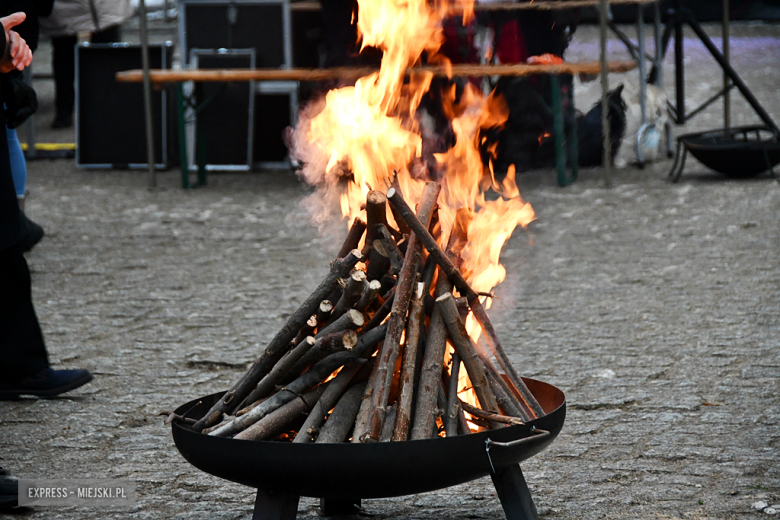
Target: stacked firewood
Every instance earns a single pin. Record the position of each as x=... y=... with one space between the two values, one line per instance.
x=365 y=357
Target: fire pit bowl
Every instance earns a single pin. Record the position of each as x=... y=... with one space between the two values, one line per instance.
x=744 y=151
x=347 y=471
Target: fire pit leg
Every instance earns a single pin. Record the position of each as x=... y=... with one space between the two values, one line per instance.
x=275 y=506
x=514 y=495
x=338 y=506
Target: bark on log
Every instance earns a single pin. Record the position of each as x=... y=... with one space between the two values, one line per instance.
x=378 y=262
x=391 y=249
x=453 y=404
x=388 y=355
x=506 y=400
x=352 y=292
x=399 y=222
x=353 y=238
x=490 y=417
x=306 y=330
x=305 y=382
x=279 y=371
x=361 y=421
x=323 y=312
x=376 y=213
x=386 y=434
x=342 y=419
x=382 y=312
x=280 y=343
x=479 y=311
x=326 y=402
x=283 y=418
x=324 y=346
x=368 y=297
x=351 y=319
x=403 y=416
x=368 y=341
x=467 y=352
x=435 y=347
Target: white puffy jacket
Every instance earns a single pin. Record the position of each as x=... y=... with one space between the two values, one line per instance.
x=69 y=17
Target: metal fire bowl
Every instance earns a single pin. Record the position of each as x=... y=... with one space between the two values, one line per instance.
x=736 y=152
x=368 y=470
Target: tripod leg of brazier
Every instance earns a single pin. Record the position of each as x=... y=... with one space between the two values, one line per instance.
x=514 y=495
x=339 y=506
x=275 y=506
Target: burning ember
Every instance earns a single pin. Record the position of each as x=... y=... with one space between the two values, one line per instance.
x=407 y=285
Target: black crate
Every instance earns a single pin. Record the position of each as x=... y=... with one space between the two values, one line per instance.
x=110 y=124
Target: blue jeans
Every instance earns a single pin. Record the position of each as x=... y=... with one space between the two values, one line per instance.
x=18 y=164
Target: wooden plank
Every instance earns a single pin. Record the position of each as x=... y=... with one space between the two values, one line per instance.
x=519 y=69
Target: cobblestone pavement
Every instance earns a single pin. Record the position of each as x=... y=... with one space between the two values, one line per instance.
x=653 y=306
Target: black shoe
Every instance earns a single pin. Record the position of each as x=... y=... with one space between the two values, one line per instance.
x=9 y=491
x=62 y=121
x=46 y=383
x=32 y=233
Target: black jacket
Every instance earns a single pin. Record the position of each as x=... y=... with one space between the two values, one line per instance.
x=10 y=223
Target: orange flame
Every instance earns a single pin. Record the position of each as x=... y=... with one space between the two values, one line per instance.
x=360 y=135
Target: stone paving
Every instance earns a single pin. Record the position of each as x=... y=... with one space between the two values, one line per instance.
x=653 y=306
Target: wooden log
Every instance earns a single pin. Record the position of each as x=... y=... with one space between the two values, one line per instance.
x=505 y=399
x=351 y=319
x=280 y=343
x=352 y=292
x=306 y=330
x=386 y=434
x=279 y=372
x=391 y=248
x=403 y=416
x=354 y=235
x=467 y=352
x=368 y=341
x=323 y=312
x=382 y=312
x=489 y=416
x=361 y=421
x=378 y=262
x=435 y=347
x=388 y=355
x=399 y=222
x=342 y=420
x=283 y=418
x=376 y=214
x=368 y=297
x=324 y=346
x=453 y=403
x=303 y=383
x=465 y=289
x=326 y=402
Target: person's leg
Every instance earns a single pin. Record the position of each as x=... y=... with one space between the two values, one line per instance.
x=109 y=35
x=64 y=66
x=24 y=363
x=22 y=349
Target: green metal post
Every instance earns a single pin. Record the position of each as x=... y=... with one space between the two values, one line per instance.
x=560 y=138
x=572 y=139
x=200 y=139
x=183 y=159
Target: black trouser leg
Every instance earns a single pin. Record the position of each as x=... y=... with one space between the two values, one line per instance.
x=64 y=64
x=110 y=35
x=22 y=350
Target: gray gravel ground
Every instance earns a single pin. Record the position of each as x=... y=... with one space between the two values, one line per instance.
x=653 y=306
